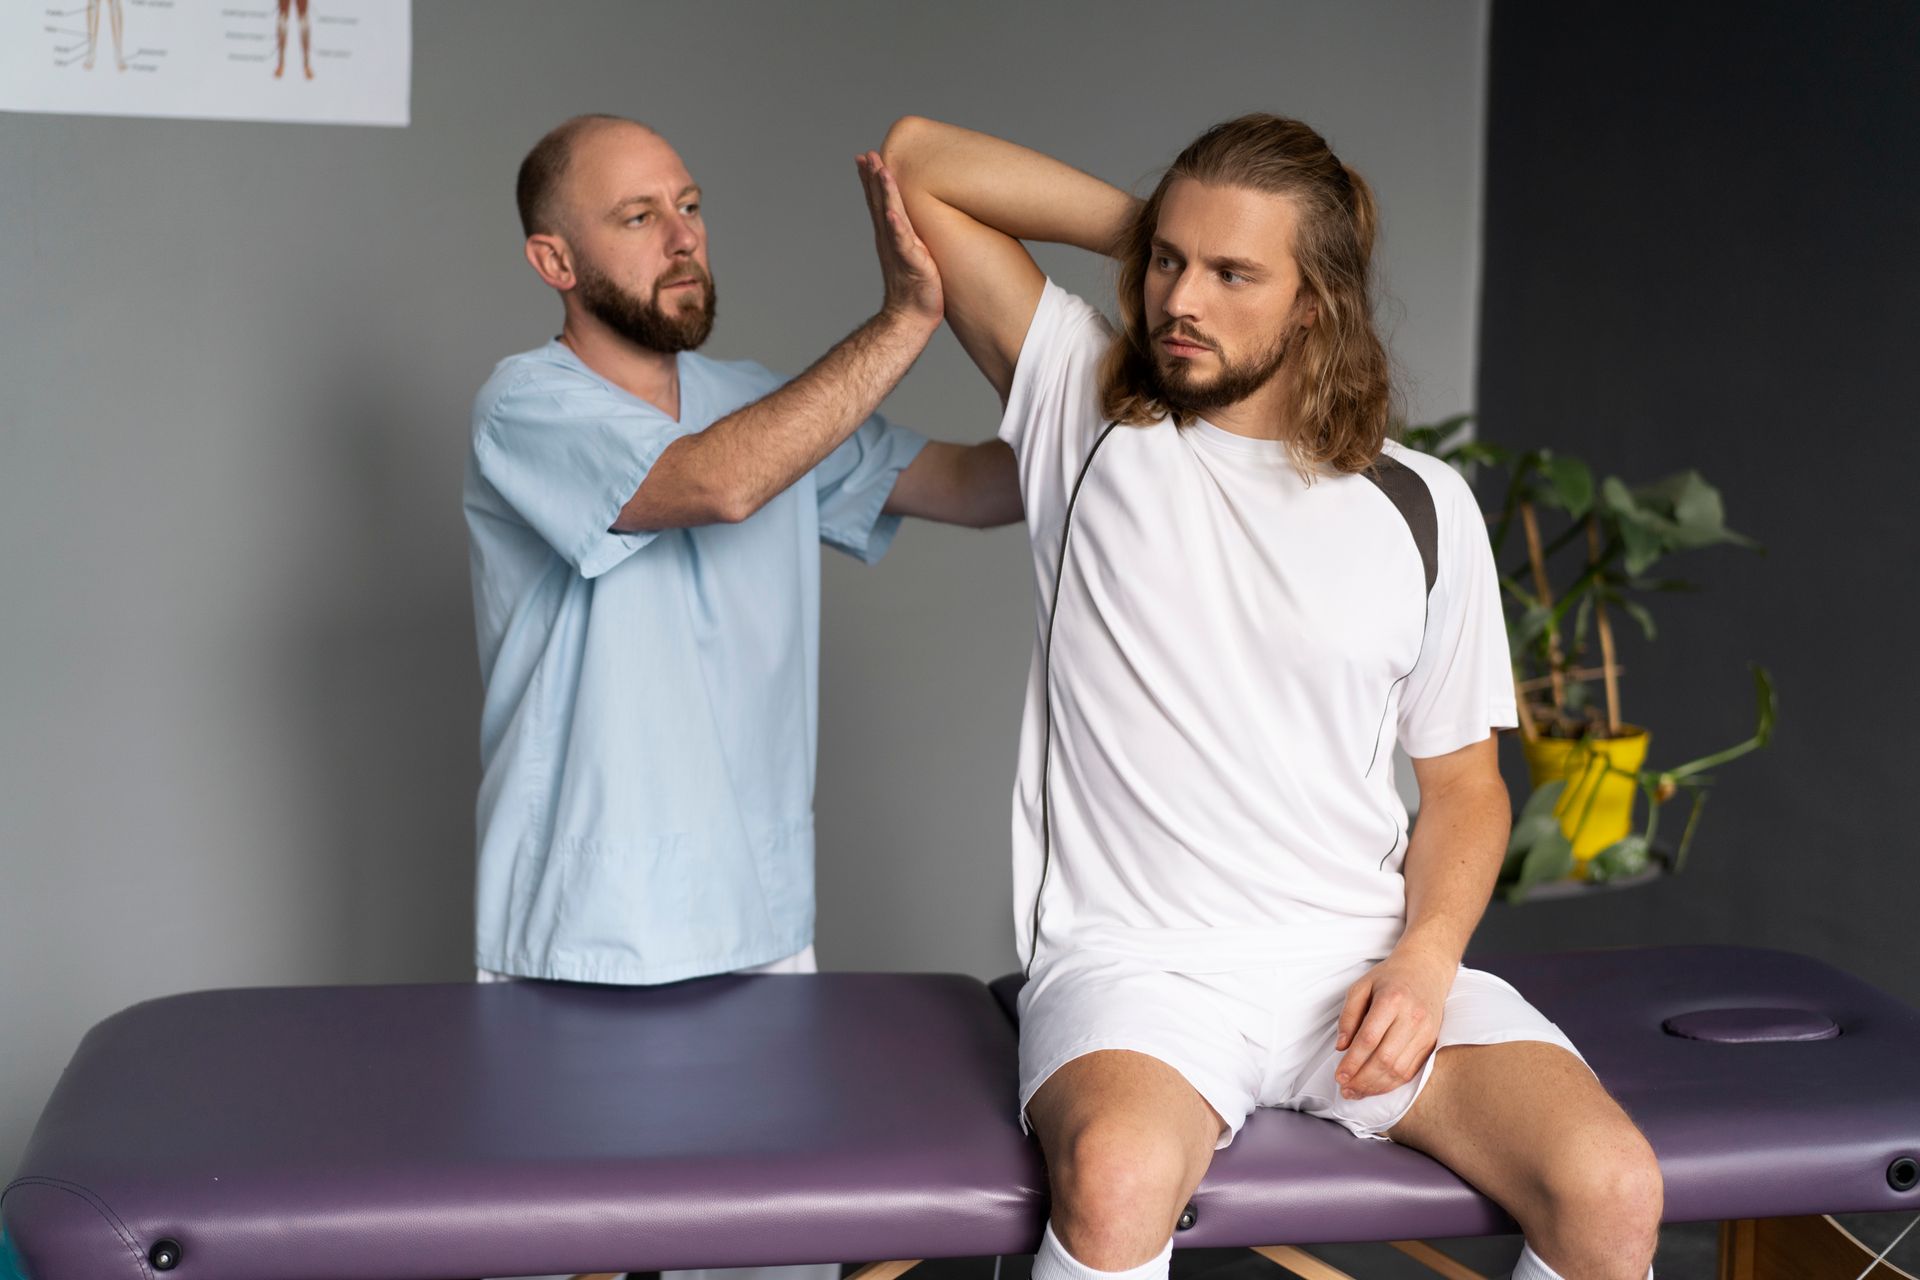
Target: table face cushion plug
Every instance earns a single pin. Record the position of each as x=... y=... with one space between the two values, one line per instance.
x=1752 y=1025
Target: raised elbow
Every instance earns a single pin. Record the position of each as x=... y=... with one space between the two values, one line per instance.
x=906 y=135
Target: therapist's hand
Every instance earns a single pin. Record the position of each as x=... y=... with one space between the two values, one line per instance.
x=1391 y=1021
x=912 y=281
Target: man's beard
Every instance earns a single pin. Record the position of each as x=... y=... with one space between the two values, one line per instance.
x=647 y=323
x=1175 y=386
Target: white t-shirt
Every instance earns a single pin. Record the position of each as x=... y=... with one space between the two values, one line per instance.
x=1206 y=770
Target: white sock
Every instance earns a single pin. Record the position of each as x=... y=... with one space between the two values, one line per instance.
x=1529 y=1267
x=1053 y=1262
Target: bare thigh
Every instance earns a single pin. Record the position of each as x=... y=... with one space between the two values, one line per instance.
x=1526 y=1123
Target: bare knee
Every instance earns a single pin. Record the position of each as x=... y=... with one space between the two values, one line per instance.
x=1117 y=1191
x=1602 y=1204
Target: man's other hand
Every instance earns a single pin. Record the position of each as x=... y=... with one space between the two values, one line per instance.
x=1391 y=1021
x=911 y=279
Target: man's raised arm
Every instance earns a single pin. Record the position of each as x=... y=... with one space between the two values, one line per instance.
x=735 y=466
x=972 y=199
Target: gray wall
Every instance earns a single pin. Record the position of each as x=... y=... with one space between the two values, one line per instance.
x=238 y=693
x=1701 y=253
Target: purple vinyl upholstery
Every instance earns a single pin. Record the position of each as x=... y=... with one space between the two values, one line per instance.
x=434 y=1132
x=342 y=1133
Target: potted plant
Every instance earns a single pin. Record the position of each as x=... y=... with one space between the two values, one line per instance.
x=1574 y=557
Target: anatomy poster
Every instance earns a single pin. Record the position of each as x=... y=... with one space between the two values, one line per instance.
x=317 y=61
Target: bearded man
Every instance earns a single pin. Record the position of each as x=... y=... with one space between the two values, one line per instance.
x=1247 y=595
x=646 y=590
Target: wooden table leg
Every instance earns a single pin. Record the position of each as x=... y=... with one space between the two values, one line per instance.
x=1809 y=1248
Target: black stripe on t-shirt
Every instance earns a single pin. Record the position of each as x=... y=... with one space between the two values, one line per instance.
x=1414 y=501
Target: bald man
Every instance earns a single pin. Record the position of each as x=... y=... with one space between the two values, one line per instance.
x=643 y=523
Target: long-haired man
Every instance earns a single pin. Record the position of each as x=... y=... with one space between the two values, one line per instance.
x=1248 y=593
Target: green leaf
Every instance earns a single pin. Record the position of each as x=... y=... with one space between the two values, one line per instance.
x=1544 y=799
x=1571 y=485
x=1477 y=453
x=1698 y=504
x=1644 y=546
x=1538 y=805
x=1665 y=493
x=1432 y=437
x=1549 y=858
x=1638 y=612
x=1616 y=497
x=1535 y=820
x=1534 y=623
x=1623 y=857
x=1691 y=510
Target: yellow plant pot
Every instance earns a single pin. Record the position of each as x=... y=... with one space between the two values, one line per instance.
x=1605 y=764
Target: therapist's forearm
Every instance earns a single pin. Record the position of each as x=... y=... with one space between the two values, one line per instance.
x=735 y=466
x=1453 y=859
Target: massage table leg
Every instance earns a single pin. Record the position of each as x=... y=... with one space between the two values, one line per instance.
x=1308 y=1267
x=1300 y=1262
x=884 y=1270
x=1810 y=1248
x=872 y=1271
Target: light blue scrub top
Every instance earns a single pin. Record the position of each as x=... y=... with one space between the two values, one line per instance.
x=647 y=738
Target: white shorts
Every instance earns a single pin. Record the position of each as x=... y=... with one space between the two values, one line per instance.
x=1245 y=1038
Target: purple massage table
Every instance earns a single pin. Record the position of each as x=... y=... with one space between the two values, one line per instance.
x=448 y=1131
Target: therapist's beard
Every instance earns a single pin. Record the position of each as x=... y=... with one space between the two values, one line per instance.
x=680 y=326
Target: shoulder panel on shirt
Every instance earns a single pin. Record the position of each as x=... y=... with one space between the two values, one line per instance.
x=1408 y=492
x=511 y=376
x=536 y=375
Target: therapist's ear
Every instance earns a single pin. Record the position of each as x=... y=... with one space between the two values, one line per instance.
x=551 y=260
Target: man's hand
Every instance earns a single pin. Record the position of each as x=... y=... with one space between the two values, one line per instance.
x=725 y=473
x=912 y=281
x=1391 y=1022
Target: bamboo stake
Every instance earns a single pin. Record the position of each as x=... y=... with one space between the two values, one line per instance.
x=1538 y=560
x=1607 y=665
x=1529 y=731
